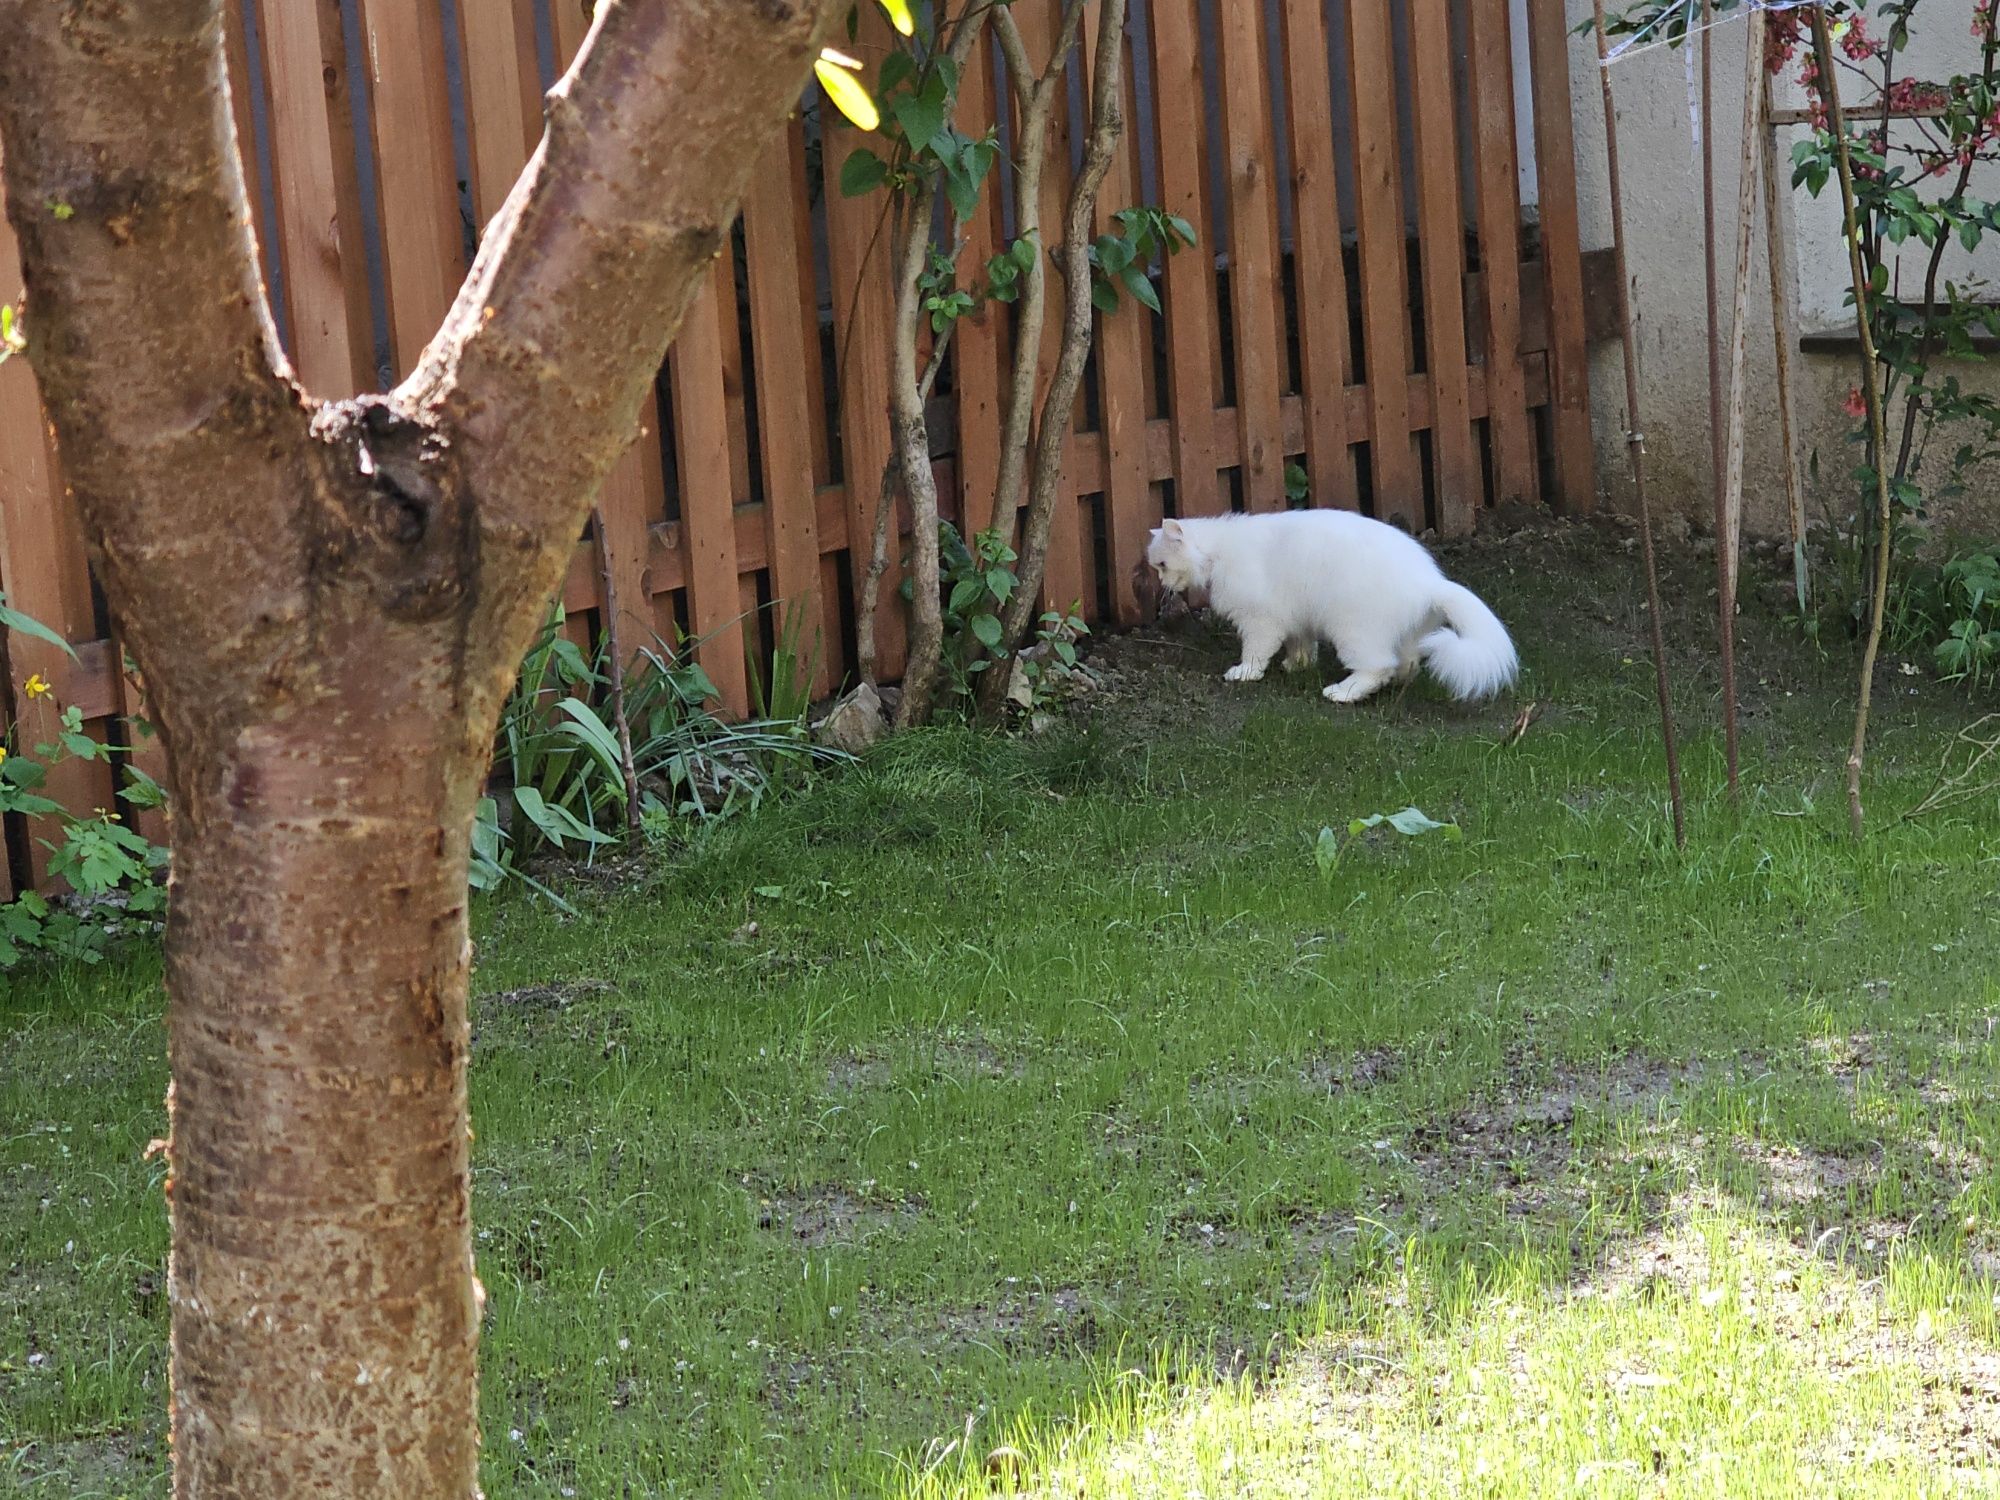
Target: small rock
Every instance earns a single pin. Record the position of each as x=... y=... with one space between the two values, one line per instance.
x=854 y=723
x=1020 y=691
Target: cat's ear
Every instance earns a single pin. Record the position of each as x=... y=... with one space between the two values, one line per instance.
x=1171 y=530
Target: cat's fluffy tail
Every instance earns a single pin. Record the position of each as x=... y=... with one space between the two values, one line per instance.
x=1473 y=656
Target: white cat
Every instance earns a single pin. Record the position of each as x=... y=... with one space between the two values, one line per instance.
x=1292 y=579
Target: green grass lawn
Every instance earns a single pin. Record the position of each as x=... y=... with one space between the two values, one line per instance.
x=1043 y=1094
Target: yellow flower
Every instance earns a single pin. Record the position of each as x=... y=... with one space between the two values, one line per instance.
x=836 y=72
x=900 y=17
x=37 y=686
x=3 y=755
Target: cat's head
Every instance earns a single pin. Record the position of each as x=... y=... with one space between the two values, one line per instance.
x=1175 y=561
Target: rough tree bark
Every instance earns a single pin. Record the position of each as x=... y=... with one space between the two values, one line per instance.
x=327 y=601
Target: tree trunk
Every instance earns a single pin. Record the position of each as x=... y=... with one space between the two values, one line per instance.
x=317 y=953
x=912 y=441
x=327 y=603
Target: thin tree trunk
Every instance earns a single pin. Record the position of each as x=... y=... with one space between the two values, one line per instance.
x=1059 y=405
x=1781 y=333
x=1635 y=439
x=1729 y=543
x=1872 y=393
x=1037 y=95
x=878 y=547
x=326 y=656
x=911 y=437
x=1724 y=564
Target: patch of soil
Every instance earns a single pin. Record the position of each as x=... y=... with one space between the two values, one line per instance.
x=1791 y=1177
x=851 y=1072
x=543 y=997
x=1024 y=1320
x=832 y=1216
x=1363 y=1070
x=1520 y=1142
x=955 y=1058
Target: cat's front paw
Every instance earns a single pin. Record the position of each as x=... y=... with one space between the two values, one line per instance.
x=1241 y=673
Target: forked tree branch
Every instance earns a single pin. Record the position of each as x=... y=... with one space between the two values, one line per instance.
x=148 y=328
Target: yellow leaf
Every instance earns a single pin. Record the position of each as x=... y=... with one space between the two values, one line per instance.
x=900 y=17
x=848 y=93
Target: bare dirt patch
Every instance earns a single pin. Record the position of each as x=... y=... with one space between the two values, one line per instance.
x=832 y=1215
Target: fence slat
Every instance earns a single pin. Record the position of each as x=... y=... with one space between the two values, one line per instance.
x=1500 y=251
x=1441 y=243
x=772 y=246
x=1321 y=271
x=862 y=319
x=503 y=96
x=1562 y=258
x=244 y=104
x=708 y=504
x=1385 y=318
x=979 y=342
x=1253 y=252
x=318 y=233
x=1190 y=279
x=422 y=234
x=1129 y=506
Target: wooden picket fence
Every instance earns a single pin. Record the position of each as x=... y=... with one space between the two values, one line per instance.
x=1369 y=300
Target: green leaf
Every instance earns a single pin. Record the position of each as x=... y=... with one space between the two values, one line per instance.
x=987 y=628
x=1103 y=296
x=1326 y=853
x=964 y=594
x=1969 y=233
x=1022 y=253
x=862 y=173
x=1001 y=582
x=920 y=115
x=1410 y=822
x=898 y=69
x=1141 y=287
x=142 y=790
x=557 y=824
x=13 y=619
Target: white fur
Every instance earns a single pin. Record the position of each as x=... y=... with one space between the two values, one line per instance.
x=1292 y=579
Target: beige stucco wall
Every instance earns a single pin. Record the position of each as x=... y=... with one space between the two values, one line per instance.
x=1661 y=175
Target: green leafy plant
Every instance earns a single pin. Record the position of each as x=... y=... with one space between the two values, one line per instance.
x=1410 y=822
x=978 y=581
x=558 y=789
x=1969 y=604
x=113 y=872
x=1297 y=485
x=1124 y=259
